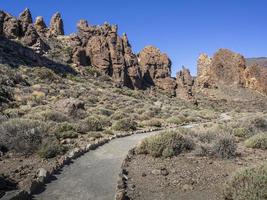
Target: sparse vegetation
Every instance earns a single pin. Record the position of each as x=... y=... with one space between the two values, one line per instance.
x=126 y=124
x=258 y=141
x=22 y=135
x=89 y=124
x=50 y=148
x=249 y=184
x=166 y=144
x=225 y=147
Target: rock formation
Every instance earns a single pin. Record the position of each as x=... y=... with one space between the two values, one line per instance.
x=226 y=67
x=40 y=25
x=185 y=84
x=229 y=68
x=26 y=17
x=56 y=25
x=101 y=47
x=256 y=78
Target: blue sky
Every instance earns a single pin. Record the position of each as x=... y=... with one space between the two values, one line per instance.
x=181 y=28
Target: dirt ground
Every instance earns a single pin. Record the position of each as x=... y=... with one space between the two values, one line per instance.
x=185 y=177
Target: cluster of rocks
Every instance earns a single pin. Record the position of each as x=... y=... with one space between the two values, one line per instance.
x=229 y=68
x=101 y=47
x=98 y=46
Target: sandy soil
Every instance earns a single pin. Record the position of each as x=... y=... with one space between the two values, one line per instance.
x=186 y=177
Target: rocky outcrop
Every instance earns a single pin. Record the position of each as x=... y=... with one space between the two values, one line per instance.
x=154 y=65
x=40 y=25
x=226 y=67
x=185 y=84
x=56 y=25
x=230 y=69
x=26 y=17
x=70 y=107
x=255 y=78
x=98 y=46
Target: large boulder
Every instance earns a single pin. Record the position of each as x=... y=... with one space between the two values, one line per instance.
x=71 y=107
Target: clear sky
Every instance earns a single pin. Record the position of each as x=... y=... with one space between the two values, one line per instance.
x=181 y=28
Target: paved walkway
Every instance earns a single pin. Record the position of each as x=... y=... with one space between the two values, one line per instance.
x=94 y=175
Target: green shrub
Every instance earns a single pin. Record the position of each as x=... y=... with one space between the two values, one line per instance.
x=177 y=120
x=119 y=115
x=63 y=127
x=67 y=134
x=258 y=141
x=241 y=132
x=108 y=132
x=152 y=122
x=92 y=71
x=126 y=124
x=248 y=184
x=166 y=144
x=89 y=124
x=50 y=148
x=45 y=74
x=225 y=146
x=22 y=135
x=55 y=116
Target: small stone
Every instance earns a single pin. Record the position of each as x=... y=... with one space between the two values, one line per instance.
x=143 y=174
x=164 y=172
x=156 y=171
x=187 y=187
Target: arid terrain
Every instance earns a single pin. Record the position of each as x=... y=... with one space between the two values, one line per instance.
x=62 y=96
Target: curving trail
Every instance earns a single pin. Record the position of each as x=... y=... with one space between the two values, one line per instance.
x=94 y=175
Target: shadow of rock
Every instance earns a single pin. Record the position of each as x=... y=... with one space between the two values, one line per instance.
x=15 y=55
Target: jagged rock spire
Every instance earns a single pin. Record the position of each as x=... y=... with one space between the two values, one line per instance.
x=56 y=25
x=26 y=16
x=39 y=23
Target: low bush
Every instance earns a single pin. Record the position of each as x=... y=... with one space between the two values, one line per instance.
x=241 y=132
x=258 y=141
x=55 y=116
x=50 y=148
x=224 y=147
x=67 y=134
x=22 y=135
x=152 y=122
x=91 y=123
x=119 y=115
x=166 y=144
x=177 y=120
x=64 y=127
x=126 y=124
x=247 y=184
